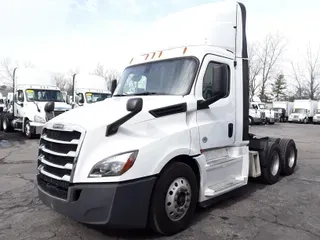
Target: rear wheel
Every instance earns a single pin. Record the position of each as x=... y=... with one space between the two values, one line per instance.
x=270 y=174
x=174 y=199
x=288 y=156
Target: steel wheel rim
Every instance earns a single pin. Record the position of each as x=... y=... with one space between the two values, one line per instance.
x=4 y=124
x=178 y=199
x=275 y=164
x=27 y=129
x=292 y=158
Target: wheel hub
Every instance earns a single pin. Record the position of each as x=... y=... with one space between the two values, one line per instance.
x=275 y=163
x=291 y=158
x=178 y=199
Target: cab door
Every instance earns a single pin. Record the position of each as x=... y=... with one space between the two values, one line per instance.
x=217 y=122
x=19 y=104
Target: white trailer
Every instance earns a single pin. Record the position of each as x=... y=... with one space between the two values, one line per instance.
x=88 y=88
x=303 y=110
x=26 y=110
x=284 y=108
x=316 y=117
x=174 y=135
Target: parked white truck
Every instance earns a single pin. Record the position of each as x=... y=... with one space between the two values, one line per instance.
x=256 y=113
x=32 y=89
x=303 y=110
x=284 y=108
x=316 y=117
x=88 y=88
x=147 y=157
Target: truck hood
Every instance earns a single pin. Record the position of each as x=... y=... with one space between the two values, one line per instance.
x=57 y=106
x=111 y=109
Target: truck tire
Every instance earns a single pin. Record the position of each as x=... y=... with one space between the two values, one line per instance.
x=251 y=122
x=174 y=199
x=276 y=140
x=288 y=156
x=1 y=117
x=6 y=124
x=270 y=174
x=305 y=120
x=27 y=129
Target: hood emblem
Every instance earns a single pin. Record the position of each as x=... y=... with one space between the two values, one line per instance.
x=58 y=126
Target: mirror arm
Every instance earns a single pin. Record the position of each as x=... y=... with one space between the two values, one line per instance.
x=113 y=127
x=204 y=104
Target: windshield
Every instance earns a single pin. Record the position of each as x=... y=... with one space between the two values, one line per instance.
x=43 y=95
x=261 y=106
x=300 y=110
x=167 y=77
x=96 y=97
x=277 y=109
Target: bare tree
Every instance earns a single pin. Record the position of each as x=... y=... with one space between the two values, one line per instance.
x=298 y=77
x=7 y=66
x=108 y=74
x=255 y=67
x=62 y=82
x=270 y=52
x=312 y=72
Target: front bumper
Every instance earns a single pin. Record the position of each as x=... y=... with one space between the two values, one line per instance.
x=36 y=127
x=118 y=205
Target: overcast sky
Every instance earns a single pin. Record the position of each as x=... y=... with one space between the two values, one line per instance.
x=63 y=34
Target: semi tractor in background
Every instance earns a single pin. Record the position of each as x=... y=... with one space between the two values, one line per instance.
x=161 y=145
x=256 y=114
x=316 y=117
x=88 y=88
x=284 y=108
x=32 y=89
x=303 y=111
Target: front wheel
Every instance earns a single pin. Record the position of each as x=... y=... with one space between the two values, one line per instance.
x=6 y=124
x=305 y=120
x=174 y=199
x=27 y=130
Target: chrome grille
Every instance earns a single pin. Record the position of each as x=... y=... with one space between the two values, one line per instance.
x=58 y=152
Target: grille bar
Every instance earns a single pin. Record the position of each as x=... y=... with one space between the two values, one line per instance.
x=69 y=154
x=63 y=178
x=46 y=162
x=46 y=138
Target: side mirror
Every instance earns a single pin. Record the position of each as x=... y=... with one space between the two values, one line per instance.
x=81 y=101
x=220 y=80
x=49 y=107
x=113 y=85
x=134 y=105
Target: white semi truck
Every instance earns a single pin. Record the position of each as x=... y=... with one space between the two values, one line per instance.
x=147 y=157
x=284 y=108
x=316 y=117
x=32 y=90
x=256 y=113
x=303 y=111
x=88 y=88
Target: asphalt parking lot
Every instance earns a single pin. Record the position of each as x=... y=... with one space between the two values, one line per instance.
x=287 y=210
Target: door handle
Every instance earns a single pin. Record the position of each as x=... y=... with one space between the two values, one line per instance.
x=230 y=130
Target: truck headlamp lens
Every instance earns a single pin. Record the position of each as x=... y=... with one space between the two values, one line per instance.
x=39 y=119
x=114 y=166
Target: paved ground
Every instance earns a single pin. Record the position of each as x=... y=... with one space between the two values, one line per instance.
x=287 y=210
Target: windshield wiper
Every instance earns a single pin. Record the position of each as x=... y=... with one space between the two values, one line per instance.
x=36 y=105
x=147 y=93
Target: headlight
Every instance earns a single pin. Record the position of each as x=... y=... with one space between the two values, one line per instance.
x=39 y=119
x=114 y=166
